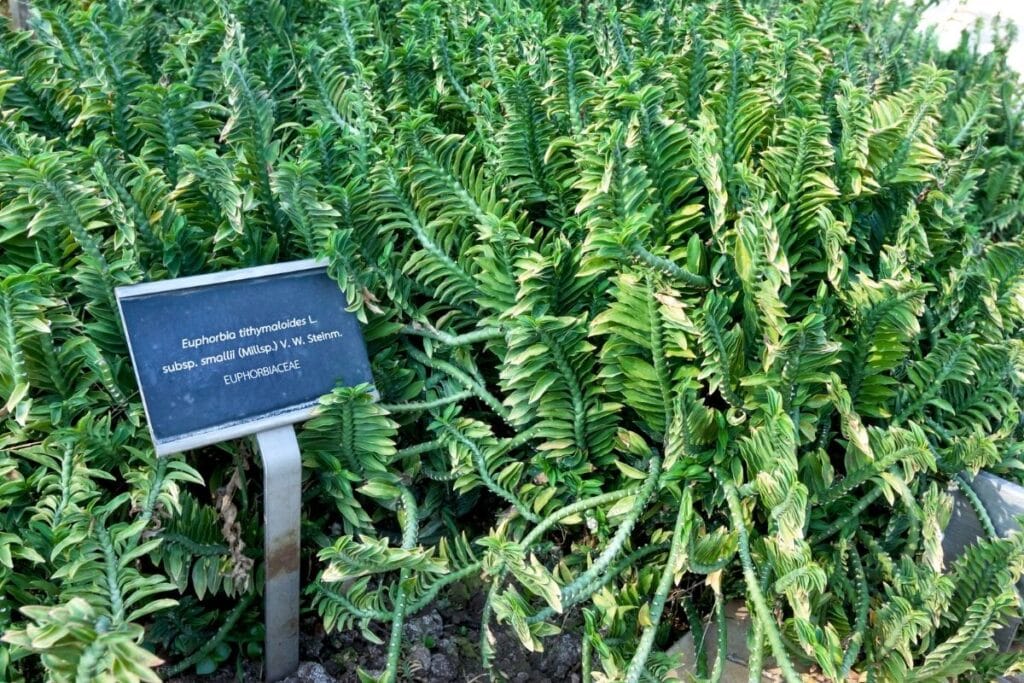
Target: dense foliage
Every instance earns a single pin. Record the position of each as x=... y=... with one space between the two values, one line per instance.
x=668 y=303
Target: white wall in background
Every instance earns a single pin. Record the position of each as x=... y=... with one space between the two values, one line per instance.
x=950 y=17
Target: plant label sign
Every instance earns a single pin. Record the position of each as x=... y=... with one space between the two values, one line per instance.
x=249 y=351
x=225 y=355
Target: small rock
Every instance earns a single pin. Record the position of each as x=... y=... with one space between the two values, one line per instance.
x=424 y=628
x=449 y=647
x=563 y=655
x=441 y=669
x=310 y=672
x=420 y=659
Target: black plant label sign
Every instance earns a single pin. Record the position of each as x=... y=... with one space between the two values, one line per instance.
x=221 y=356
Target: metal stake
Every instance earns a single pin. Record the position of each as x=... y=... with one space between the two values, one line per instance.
x=19 y=13
x=282 y=498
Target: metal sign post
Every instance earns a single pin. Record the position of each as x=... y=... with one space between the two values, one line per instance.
x=282 y=497
x=19 y=14
x=250 y=351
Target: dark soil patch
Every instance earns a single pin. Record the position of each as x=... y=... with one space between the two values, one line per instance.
x=441 y=645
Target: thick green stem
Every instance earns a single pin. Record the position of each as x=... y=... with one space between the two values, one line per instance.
x=643 y=650
x=463 y=378
x=417 y=449
x=700 y=654
x=851 y=516
x=225 y=628
x=465 y=339
x=410 y=532
x=110 y=562
x=979 y=507
x=857 y=477
x=586 y=673
x=658 y=353
x=545 y=524
x=602 y=581
x=667 y=266
x=621 y=534
x=518 y=440
x=861 y=621
x=572 y=382
x=485 y=476
x=761 y=610
x=755 y=662
x=570 y=510
x=419 y=406
x=723 y=639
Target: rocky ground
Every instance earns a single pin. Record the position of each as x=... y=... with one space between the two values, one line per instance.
x=441 y=646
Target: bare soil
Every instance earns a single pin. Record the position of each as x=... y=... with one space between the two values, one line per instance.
x=441 y=645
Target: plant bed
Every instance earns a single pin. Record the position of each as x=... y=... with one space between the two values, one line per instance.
x=441 y=646
x=668 y=305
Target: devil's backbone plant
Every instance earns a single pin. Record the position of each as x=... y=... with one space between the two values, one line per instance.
x=670 y=303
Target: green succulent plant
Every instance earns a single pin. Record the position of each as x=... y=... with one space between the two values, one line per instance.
x=669 y=303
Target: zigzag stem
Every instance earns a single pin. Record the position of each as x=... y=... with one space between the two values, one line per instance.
x=571 y=92
x=16 y=367
x=545 y=524
x=152 y=496
x=110 y=573
x=848 y=518
x=159 y=473
x=586 y=673
x=485 y=476
x=595 y=578
x=861 y=347
x=861 y=621
x=725 y=387
x=700 y=654
x=860 y=476
x=602 y=581
x=761 y=610
x=722 y=632
x=454 y=184
x=90 y=663
x=570 y=510
x=52 y=365
x=668 y=266
x=517 y=440
x=658 y=353
x=425 y=239
x=621 y=534
x=979 y=507
x=417 y=449
x=643 y=651
x=410 y=533
x=933 y=388
x=412 y=608
x=755 y=662
x=464 y=339
x=876 y=550
x=348 y=430
x=462 y=378
x=218 y=638
x=486 y=653
x=67 y=466
x=468 y=570
x=572 y=382
x=419 y=406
